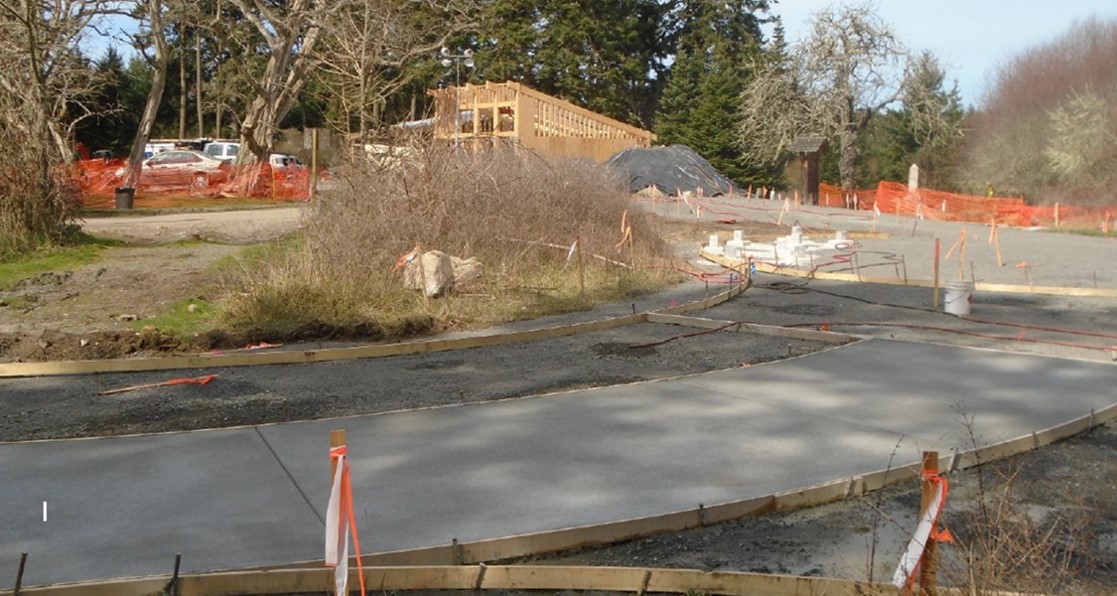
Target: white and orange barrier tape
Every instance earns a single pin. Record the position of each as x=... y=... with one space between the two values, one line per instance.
x=340 y=520
x=928 y=529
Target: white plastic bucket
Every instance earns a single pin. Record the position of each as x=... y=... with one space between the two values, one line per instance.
x=959 y=297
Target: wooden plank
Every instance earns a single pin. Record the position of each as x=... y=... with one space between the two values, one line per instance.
x=562 y=103
x=540 y=577
x=71 y=367
x=520 y=577
x=118 y=587
x=684 y=581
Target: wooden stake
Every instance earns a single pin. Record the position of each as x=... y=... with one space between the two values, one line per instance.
x=938 y=250
x=313 y=163
x=997 y=247
x=962 y=256
x=1056 y=214
x=928 y=563
x=581 y=271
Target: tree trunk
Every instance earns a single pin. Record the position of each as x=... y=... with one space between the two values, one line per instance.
x=181 y=92
x=198 y=82
x=847 y=160
x=154 y=97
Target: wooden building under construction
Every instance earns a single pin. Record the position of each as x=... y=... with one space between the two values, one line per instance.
x=515 y=115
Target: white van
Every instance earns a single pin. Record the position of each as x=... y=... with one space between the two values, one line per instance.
x=224 y=150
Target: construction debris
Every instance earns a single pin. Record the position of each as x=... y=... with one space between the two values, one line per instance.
x=672 y=170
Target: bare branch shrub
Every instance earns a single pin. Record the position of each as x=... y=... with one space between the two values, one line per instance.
x=42 y=84
x=1003 y=544
x=1033 y=127
x=514 y=211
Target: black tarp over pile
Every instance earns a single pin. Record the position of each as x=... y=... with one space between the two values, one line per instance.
x=673 y=170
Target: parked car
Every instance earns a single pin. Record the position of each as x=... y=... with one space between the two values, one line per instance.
x=223 y=150
x=180 y=168
x=283 y=160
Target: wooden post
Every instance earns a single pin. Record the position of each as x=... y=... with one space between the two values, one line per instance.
x=313 y=163
x=928 y=563
x=997 y=247
x=962 y=256
x=1056 y=214
x=632 y=249
x=581 y=270
x=938 y=250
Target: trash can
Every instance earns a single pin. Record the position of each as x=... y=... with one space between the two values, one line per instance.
x=125 y=197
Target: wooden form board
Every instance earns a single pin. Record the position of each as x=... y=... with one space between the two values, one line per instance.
x=518 y=577
x=257 y=358
x=531 y=119
x=383 y=580
x=918 y=283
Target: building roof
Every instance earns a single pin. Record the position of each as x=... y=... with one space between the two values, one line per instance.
x=809 y=145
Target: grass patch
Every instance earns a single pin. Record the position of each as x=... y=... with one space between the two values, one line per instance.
x=185 y=318
x=84 y=250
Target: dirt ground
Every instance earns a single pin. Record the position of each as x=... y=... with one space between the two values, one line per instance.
x=91 y=311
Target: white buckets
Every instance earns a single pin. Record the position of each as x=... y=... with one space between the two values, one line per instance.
x=959 y=296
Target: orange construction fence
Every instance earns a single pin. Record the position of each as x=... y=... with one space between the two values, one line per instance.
x=98 y=180
x=894 y=198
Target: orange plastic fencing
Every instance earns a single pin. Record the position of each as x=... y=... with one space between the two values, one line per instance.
x=98 y=180
x=894 y=198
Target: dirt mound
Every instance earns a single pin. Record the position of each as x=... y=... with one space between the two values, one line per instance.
x=57 y=345
x=673 y=170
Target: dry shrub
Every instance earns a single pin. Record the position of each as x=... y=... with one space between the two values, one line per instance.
x=1034 y=123
x=1005 y=544
x=36 y=198
x=512 y=210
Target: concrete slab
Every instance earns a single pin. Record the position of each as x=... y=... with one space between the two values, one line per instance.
x=925 y=391
x=124 y=506
x=252 y=496
x=427 y=477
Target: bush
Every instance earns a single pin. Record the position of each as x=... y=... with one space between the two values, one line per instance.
x=1049 y=129
x=512 y=210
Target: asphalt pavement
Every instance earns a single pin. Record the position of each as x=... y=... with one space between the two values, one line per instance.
x=256 y=495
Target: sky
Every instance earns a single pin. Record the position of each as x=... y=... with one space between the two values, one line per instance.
x=970 y=37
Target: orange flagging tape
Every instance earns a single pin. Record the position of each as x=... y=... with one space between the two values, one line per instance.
x=927 y=530
x=184 y=381
x=407 y=258
x=340 y=520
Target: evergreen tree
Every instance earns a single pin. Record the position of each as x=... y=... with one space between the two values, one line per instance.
x=716 y=43
x=604 y=55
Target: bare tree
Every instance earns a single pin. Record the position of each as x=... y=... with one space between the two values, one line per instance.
x=39 y=42
x=290 y=31
x=849 y=68
x=44 y=85
x=150 y=34
x=368 y=44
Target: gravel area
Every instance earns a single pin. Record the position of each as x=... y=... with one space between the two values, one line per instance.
x=42 y=408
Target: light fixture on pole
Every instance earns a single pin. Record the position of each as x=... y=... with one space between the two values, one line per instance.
x=465 y=58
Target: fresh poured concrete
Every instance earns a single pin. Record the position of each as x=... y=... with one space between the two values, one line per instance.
x=251 y=496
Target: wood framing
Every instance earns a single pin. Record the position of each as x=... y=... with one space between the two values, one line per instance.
x=514 y=115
